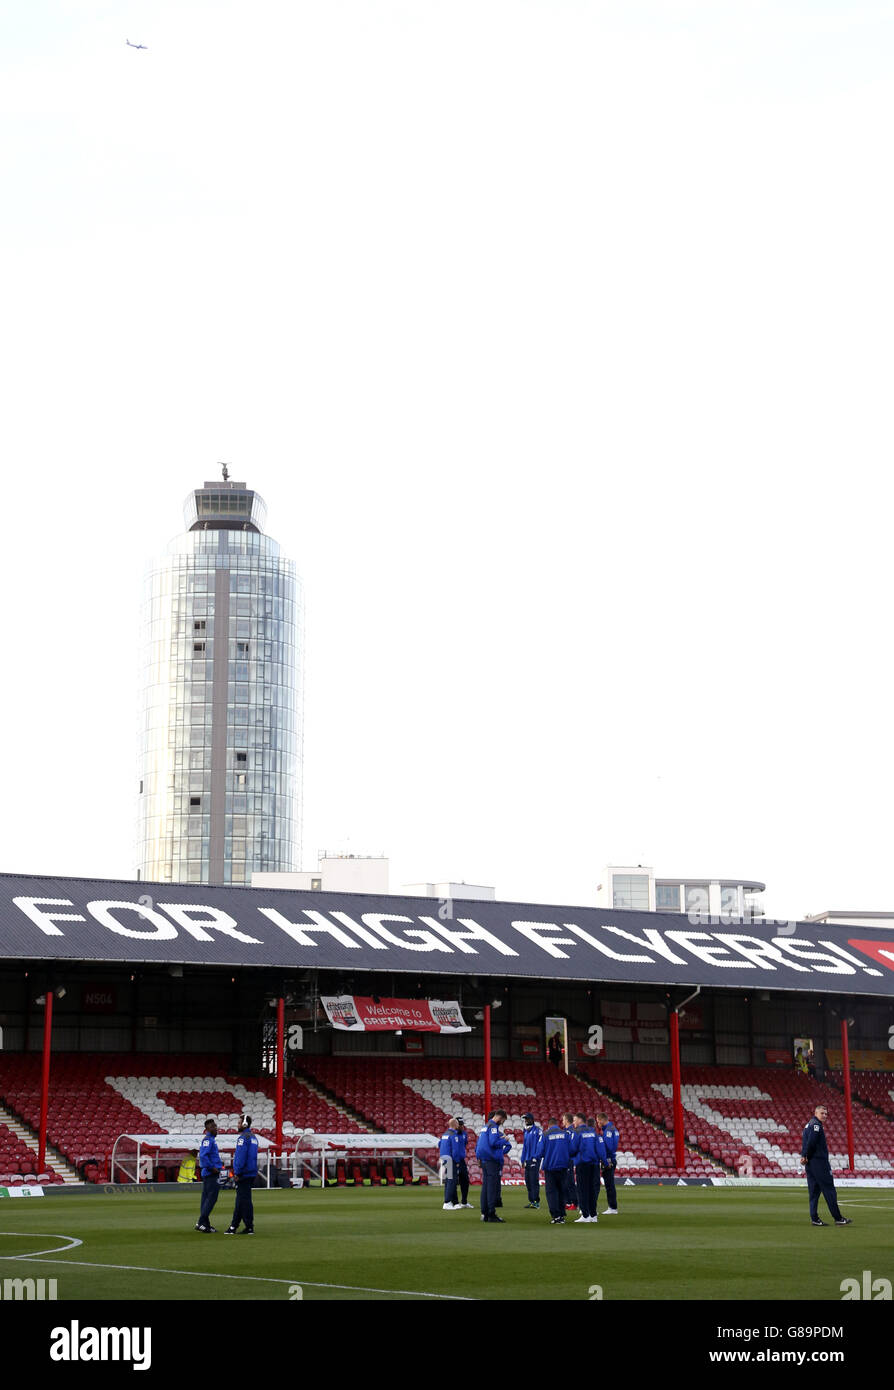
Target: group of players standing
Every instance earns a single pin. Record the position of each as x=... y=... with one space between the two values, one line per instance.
x=572 y=1156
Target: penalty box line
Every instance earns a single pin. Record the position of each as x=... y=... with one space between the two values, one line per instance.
x=249 y=1278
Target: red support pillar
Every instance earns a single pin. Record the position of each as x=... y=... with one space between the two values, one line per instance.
x=848 y=1109
x=280 y=1067
x=45 y=1081
x=679 y=1149
x=487 y=1066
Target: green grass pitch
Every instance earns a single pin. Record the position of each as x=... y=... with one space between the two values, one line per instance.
x=695 y=1243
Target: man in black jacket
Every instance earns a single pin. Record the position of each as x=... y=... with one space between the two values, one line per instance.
x=815 y=1157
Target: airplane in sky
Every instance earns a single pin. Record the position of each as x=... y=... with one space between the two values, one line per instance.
x=134 y=45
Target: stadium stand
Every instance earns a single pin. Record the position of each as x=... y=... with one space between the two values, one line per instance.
x=874 y=1089
x=751 y=1116
x=94 y=1099
x=418 y=1095
x=736 y=1117
x=18 y=1162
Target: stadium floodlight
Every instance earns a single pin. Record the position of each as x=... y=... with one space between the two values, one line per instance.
x=59 y=993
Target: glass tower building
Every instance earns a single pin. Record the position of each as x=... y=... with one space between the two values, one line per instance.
x=221 y=707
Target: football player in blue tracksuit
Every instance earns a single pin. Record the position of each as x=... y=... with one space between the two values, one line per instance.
x=570 y=1187
x=447 y=1151
x=588 y=1152
x=611 y=1138
x=556 y=1158
x=815 y=1157
x=530 y=1158
x=460 y=1140
x=210 y=1166
x=490 y=1150
x=245 y=1170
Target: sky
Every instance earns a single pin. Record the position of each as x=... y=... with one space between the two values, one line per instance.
x=555 y=334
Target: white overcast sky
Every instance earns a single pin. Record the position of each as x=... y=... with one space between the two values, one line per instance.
x=557 y=337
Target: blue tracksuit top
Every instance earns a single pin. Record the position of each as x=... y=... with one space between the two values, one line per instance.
x=556 y=1150
x=587 y=1146
x=445 y=1148
x=245 y=1159
x=813 y=1142
x=492 y=1144
x=209 y=1155
x=611 y=1138
x=459 y=1139
x=531 y=1144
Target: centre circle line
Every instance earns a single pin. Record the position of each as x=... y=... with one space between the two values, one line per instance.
x=41 y=1235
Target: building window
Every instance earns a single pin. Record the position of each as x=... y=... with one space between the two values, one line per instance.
x=667 y=897
x=242 y=650
x=195 y=801
x=198 y=647
x=241 y=757
x=317 y=883
x=199 y=625
x=631 y=891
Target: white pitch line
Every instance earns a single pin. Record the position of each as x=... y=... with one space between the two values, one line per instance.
x=41 y=1235
x=250 y=1278
x=878 y=1206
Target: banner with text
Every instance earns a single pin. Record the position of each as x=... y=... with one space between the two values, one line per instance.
x=625 y=1021
x=99 y=920
x=353 y=1014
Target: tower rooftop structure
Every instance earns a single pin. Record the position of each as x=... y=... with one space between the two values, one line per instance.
x=223 y=505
